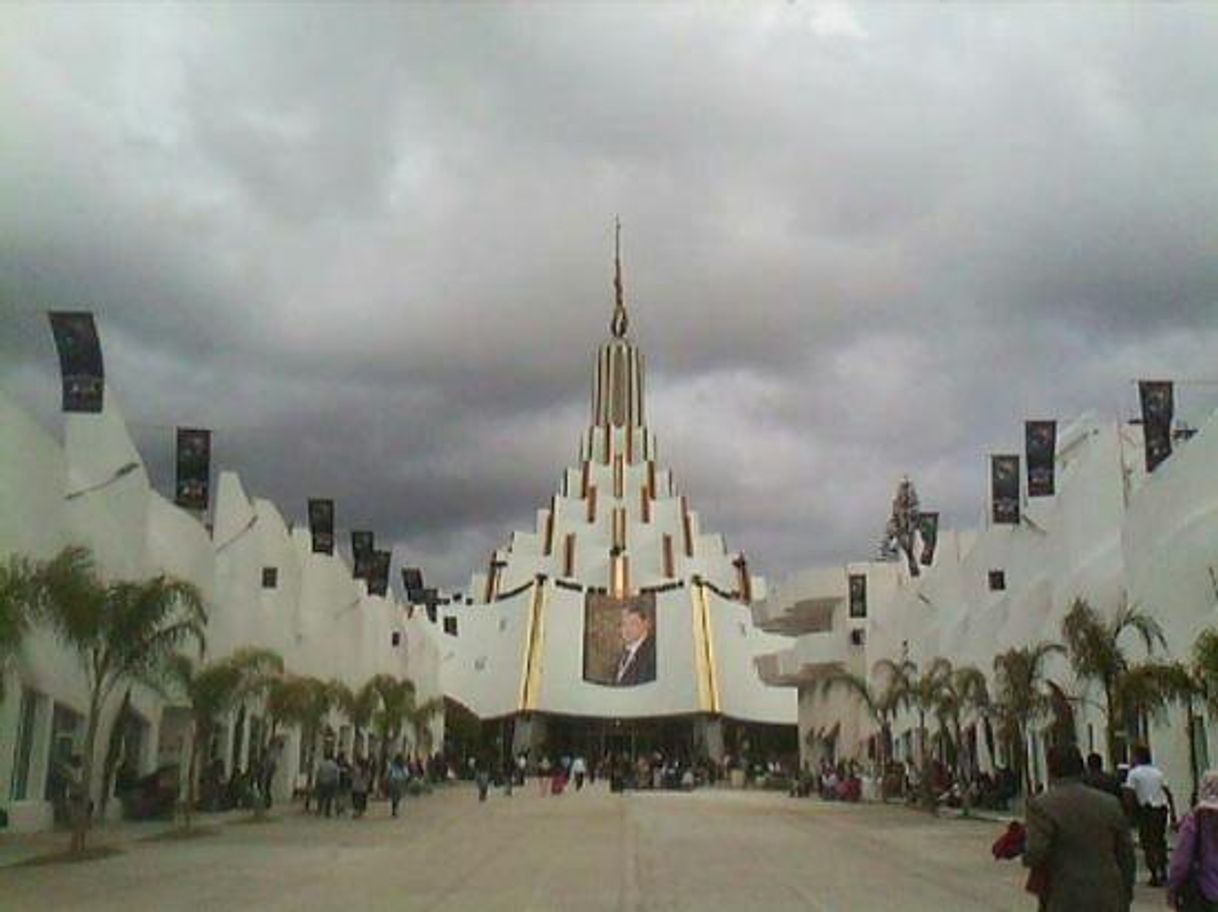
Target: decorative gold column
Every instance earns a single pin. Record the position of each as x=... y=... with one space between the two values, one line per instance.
x=530 y=684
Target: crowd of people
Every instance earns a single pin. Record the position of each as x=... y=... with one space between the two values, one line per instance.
x=1078 y=838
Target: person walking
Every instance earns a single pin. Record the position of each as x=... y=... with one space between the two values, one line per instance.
x=327 y=785
x=483 y=778
x=1192 y=880
x=398 y=777
x=579 y=769
x=1078 y=843
x=359 y=787
x=1154 y=802
x=343 y=789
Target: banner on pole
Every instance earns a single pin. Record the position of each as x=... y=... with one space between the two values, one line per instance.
x=1004 y=489
x=1040 y=445
x=321 y=525
x=378 y=573
x=80 y=360
x=361 y=553
x=193 y=468
x=1158 y=408
x=928 y=528
x=858 y=595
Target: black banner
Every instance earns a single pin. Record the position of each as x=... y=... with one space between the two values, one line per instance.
x=80 y=360
x=412 y=581
x=361 y=553
x=1004 y=489
x=194 y=468
x=321 y=525
x=858 y=595
x=928 y=527
x=1040 y=448
x=378 y=573
x=1158 y=409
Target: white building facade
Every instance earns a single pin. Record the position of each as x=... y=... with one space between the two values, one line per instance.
x=1112 y=534
x=263 y=586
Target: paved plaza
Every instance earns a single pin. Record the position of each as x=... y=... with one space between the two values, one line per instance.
x=592 y=850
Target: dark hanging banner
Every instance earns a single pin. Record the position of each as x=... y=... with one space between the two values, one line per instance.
x=1158 y=408
x=1004 y=489
x=378 y=573
x=858 y=595
x=412 y=580
x=321 y=525
x=80 y=360
x=1040 y=448
x=194 y=468
x=928 y=527
x=361 y=553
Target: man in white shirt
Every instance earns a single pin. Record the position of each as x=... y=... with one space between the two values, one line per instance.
x=1153 y=800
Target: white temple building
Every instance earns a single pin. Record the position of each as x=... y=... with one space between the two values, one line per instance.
x=1111 y=534
x=541 y=648
x=262 y=583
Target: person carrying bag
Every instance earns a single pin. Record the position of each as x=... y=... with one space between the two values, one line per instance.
x=1192 y=880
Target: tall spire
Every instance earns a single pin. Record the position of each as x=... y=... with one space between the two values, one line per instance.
x=620 y=321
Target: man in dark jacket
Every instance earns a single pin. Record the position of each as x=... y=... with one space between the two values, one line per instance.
x=1079 y=840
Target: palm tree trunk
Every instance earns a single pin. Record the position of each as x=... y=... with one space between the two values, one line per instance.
x=192 y=774
x=1194 y=773
x=82 y=805
x=1115 y=756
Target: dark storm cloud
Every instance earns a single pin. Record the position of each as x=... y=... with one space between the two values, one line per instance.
x=370 y=246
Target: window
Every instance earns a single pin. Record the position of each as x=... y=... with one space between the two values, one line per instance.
x=998 y=581
x=395 y=638
x=450 y=626
x=858 y=637
x=270 y=577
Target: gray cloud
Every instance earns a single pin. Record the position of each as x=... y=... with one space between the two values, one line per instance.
x=370 y=247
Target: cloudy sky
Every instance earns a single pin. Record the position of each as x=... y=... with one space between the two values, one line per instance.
x=371 y=247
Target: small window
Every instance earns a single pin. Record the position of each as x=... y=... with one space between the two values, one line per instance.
x=858 y=637
x=998 y=581
x=395 y=638
x=450 y=626
x=270 y=577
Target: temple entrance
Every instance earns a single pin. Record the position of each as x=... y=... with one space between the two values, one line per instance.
x=671 y=736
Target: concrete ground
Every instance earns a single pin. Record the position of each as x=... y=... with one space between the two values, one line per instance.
x=710 y=850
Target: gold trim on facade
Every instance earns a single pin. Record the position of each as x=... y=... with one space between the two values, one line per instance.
x=706 y=697
x=530 y=686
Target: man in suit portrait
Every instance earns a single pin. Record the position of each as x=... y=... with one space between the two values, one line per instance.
x=637 y=663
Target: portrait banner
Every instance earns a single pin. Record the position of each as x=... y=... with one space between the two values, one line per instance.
x=1158 y=409
x=1040 y=449
x=928 y=528
x=858 y=595
x=361 y=553
x=321 y=525
x=1004 y=489
x=619 y=639
x=80 y=360
x=378 y=572
x=193 y=468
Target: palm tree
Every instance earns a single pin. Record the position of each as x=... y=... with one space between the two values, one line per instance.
x=1093 y=644
x=418 y=717
x=213 y=690
x=961 y=692
x=1022 y=693
x=120 y=632
x=397 y=699
x=18 y=601
x=304 y=702
x=358 y=706
x=881 y=700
